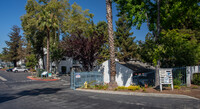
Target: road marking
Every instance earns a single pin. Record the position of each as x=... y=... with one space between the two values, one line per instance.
x=3 y=79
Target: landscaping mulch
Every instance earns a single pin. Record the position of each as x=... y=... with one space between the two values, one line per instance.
x=41 y=79
x=193 y=91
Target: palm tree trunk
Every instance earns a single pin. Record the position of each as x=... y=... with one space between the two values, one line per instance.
x=111 y=42
x=48 y=38
x=43 y=63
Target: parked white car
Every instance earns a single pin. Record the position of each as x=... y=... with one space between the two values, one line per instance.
x=20 y=69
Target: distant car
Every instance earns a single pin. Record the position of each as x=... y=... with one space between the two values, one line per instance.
x=1 y=67
x=9 y=70
x=20 y=69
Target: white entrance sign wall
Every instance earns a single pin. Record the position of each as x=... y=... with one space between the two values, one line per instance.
x=123 y=76
x=165 y=77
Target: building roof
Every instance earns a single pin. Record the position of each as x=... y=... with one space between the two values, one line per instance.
x=138 y=67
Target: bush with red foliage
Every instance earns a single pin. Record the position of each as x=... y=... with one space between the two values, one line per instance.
x=84 y=49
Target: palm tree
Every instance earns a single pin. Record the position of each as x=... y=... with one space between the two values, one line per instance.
x=44 y=17
x=46 y=22
x=112 y=83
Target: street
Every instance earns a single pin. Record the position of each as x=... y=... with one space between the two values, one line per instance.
x=18 y=92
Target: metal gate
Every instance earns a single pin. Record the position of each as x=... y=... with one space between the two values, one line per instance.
x=79 y=78
x=179 y=74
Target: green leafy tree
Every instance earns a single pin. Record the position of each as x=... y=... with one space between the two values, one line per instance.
x=180 y=14
x=44 y=17
x=181 y=48
x=57 y=53
x=186 y=13
x=159 y=15
x=14 y=44
x=78 y=21
x=126 y=47
x=5 y=55
x=178 y=48
x=33 y=35
x=31 y=61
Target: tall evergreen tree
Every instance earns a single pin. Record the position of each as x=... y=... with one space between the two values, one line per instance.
x=126 y=47
x=14 y=44
x=102 y=28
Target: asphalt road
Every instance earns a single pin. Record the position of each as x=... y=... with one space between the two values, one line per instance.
x=18 y=92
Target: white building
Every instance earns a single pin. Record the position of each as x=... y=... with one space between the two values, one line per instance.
x=64 y=66
x=123 y=76
x=21 y=62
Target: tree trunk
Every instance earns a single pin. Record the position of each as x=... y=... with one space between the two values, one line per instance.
x=15 y=63
x=43 y=63
x=111 y=44
x=56 y=66
x=48 y=38
x=157 y=37
x=42 y=57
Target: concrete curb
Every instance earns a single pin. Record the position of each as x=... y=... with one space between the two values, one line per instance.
x=139 y=94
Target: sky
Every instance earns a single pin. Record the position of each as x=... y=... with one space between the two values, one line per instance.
x=12 y=10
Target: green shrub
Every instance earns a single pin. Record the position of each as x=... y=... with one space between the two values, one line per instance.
x=196 y=79
x=177 y=81
x=89 y=85
x=177 y=87
x=101 y=86
x=92 y=87
x=39 y=72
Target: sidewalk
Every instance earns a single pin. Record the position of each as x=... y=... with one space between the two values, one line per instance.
x=139 y=94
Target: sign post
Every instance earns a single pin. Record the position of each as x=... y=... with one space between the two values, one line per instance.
x=165 y=77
